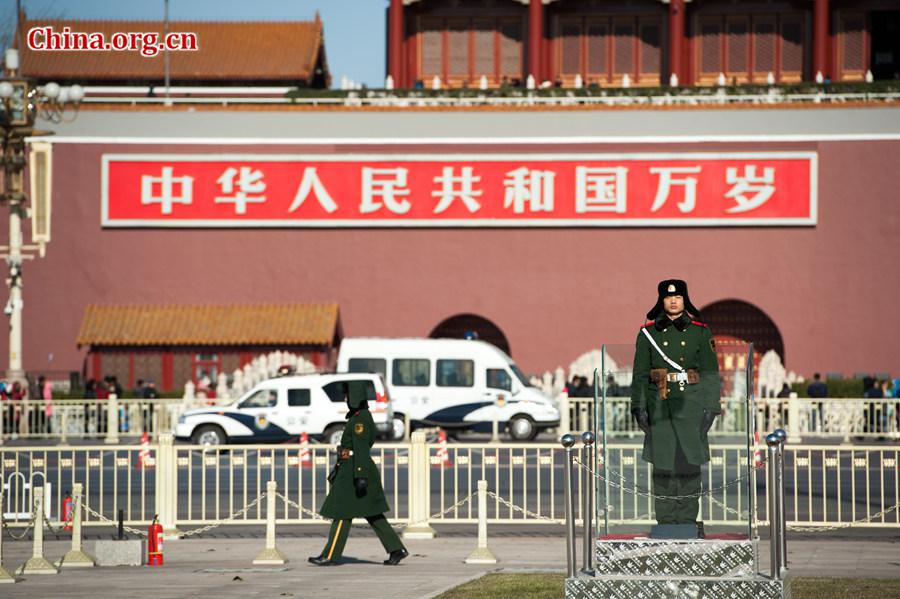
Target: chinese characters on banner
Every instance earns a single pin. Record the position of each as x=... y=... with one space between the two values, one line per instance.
x=485 y=190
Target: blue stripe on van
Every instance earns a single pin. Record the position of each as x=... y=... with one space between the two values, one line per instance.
x=272 y=431
x=455 y=415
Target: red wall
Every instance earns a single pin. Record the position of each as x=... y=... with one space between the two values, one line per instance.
x=555 y=293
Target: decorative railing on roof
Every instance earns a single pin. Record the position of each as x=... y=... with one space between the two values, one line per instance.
x=880 y=92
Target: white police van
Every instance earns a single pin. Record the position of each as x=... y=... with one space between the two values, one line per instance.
x=451 y=383
x=280 y=409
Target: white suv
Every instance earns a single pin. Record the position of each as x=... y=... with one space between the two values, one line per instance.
x=280 y=409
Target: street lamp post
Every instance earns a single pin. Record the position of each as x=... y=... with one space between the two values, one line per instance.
x=21 y=102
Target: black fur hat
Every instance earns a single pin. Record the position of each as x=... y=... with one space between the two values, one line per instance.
x=672 y=287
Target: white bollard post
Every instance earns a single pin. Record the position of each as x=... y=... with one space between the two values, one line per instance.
x=112 y=419
x=482 y=555
x=419 y=485
x=271 y=554
x=793 y=423
x=565 y=424
x=38 y=564
x=5 y=575
x=63 y=424
x=76 y=558
x=166 y=485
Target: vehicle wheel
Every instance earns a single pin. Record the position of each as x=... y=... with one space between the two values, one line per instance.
x=398 y=428
x=521 y=428
x=333 y=434
x=209 y=434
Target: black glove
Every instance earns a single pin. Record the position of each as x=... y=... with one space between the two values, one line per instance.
x=708 y=419
x=361 y=485
x=642 y=418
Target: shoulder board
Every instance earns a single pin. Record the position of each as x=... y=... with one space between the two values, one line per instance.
x=649 y=324
x=699 y=324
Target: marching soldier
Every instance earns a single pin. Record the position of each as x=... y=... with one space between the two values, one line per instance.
x=675 y=399
x=356 y=490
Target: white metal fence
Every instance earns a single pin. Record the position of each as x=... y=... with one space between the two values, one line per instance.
x=87 y=418
x=847 y=419
x=190 y=486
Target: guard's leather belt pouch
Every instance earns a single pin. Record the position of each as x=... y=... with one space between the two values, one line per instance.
x=658 y=376
x=693 y=376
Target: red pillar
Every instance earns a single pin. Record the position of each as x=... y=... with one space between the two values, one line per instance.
x=395 y=42
x=820 y=38
x=676 y=41
x=535 y=40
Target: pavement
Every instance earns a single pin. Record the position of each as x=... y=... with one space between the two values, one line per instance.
x=221 y=566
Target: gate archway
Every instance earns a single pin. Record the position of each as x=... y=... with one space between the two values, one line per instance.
x=462 y=326
x=745 y=321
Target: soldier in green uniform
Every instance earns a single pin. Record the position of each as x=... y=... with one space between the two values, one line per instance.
x=675 y=399
x=356 y=491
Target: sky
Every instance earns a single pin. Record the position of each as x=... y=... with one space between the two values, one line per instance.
x=354 y=29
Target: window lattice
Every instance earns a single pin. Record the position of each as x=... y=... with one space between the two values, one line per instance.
x=432 y=48
x=710 y=50
x=596 y=49
x=764 y=47
x=791 y=46
x=738 y=47
x=624 y=48
x=458 y=49
x=650 y=49
x=571 y=48
x=852 y=28
x=511 y=49
x=484 y=48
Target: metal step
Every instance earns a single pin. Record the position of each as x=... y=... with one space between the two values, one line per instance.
x=675 y=587
x=671 y=557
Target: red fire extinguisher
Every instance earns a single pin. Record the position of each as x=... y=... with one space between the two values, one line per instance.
x=155 y=543
x=68 y=510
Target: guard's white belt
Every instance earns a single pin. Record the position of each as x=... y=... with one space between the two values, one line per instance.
x=677 y=377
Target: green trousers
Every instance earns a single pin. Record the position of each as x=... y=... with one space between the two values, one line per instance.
x=340 y=530
x=684 y=479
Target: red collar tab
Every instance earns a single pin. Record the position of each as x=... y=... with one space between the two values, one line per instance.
x=649 y=324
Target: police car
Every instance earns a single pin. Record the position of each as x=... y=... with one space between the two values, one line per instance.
x=280 y=409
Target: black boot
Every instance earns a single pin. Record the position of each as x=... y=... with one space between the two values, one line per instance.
x=320 y=560
x=395 y=557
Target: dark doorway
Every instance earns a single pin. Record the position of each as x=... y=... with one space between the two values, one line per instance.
x=746 y=322
x=462 y=326
x=885 y=43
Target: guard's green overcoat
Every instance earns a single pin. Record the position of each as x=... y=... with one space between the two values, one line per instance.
x=677 y=420
x=342 y=502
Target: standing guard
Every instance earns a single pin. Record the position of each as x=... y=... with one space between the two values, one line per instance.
x=675 y=399
x=356 y=490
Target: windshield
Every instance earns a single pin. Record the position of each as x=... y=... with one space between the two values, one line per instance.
x=519 y=374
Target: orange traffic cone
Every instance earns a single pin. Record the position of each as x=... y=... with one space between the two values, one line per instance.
x=442 y=459
x=145 y=460
x=304 y=456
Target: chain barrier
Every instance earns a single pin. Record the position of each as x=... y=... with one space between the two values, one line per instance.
x=113 y=523
x=523 y=511
x=302 y=509
x=826 y=528
x=31 y=519
x=234 y=516
x=441 y=514
x=642 y=493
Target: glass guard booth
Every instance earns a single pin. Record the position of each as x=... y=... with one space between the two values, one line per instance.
x=631 y=497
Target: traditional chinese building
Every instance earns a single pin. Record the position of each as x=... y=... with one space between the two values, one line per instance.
x=545 y=231
x=602 y=42
x=171 y=344
x=233 y=53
